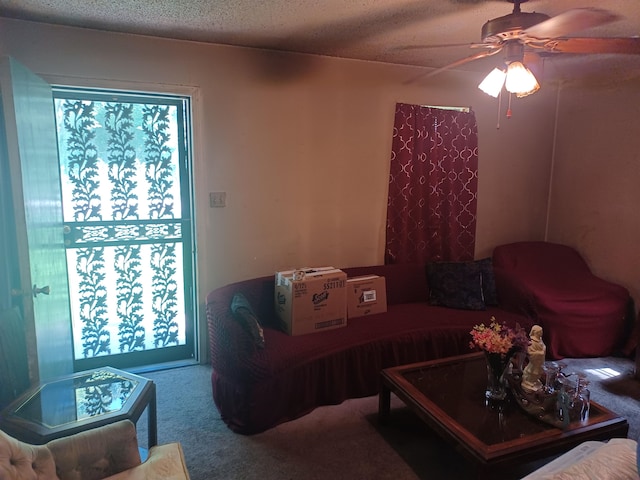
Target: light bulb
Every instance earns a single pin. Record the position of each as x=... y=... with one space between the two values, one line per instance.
x=520 y=80
x=493 y=82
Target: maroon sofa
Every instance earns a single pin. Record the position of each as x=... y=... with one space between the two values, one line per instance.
x=257 y=388
x=581 y=314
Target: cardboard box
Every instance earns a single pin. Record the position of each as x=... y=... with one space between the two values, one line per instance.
x=366 y=295
x=311 y=300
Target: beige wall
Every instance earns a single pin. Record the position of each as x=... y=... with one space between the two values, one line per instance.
x=303 y=159
x=596 y=181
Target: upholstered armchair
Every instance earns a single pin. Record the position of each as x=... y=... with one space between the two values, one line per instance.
x=109 y=452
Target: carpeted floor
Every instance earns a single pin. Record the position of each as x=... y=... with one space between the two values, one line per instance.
x=342 y=441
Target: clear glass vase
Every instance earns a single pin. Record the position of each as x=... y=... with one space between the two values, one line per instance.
x=497 y=365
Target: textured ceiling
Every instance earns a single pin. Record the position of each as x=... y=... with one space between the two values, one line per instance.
x=377 y=30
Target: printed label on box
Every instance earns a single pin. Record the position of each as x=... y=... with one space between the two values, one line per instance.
x=366 y=295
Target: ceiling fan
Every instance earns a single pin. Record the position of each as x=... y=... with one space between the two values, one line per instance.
x=523 y=37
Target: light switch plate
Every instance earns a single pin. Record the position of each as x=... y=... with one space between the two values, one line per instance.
x=217 y=199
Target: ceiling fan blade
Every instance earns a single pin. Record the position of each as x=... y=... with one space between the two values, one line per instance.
x=457 y=63
x=462 y=61
x=570 y=21
x=448 y=45
x=630 y=45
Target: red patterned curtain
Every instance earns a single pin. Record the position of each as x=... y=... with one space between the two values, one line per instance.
x=431 y=210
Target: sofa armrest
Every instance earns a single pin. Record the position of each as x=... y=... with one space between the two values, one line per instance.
x=613 y=459
x=231 y=347
x=164 y=462
x=97 y=453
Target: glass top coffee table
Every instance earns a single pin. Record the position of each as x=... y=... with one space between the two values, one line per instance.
x=449 y=396
x=80 y=401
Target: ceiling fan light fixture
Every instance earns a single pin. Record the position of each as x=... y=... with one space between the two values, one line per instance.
x=493 y=82
x=520 y=80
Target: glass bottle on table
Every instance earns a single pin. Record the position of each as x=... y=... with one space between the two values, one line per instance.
x=583 y=395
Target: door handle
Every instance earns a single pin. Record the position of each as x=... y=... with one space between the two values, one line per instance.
x=35 y=291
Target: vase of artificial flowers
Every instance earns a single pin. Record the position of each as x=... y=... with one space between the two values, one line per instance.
x=499 y=343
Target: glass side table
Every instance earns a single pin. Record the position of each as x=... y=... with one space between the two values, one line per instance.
x=80 y=401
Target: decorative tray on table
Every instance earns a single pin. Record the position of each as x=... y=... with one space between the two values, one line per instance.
x=563 y=398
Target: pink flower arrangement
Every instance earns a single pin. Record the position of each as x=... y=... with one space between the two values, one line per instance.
x=498 y=338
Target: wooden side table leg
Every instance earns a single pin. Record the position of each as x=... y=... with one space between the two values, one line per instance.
x=384 y=403
x=152 y=416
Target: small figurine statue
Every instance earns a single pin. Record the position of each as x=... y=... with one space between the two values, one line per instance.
x=533 y=371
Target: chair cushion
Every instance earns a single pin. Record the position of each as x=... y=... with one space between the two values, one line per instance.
x=615 y=459
x=96 y=453
x=165 y=462
x=21 y=460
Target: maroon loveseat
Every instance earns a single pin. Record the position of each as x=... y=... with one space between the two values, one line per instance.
x=581 y=314
x=257 y=388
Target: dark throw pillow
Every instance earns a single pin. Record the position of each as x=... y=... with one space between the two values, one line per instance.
x=244 y=314
x=488 y=281
x=456 y=285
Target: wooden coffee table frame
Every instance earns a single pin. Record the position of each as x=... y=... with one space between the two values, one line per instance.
x=602 y=424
